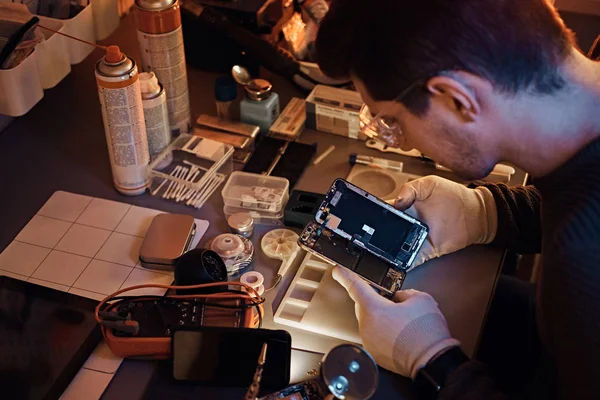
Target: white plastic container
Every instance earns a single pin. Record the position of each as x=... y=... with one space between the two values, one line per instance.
x=81 y=26
x=20 y=87
x=52 y=54
x=256 y=192
x=106 y=17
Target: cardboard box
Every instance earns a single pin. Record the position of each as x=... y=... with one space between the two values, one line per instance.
x=334 y=110
x=290 y=123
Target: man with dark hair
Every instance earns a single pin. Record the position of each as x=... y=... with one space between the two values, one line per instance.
x=471 y=83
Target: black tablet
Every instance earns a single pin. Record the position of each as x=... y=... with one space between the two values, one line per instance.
x=45 y=337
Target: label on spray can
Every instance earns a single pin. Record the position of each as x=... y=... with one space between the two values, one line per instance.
x=123 y=115
x=164 y=55
x=157 y=127
x=156 y=114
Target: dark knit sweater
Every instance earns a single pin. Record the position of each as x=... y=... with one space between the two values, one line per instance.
x=559 y=216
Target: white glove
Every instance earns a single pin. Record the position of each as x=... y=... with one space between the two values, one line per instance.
x=402 y=336
x=456 y=215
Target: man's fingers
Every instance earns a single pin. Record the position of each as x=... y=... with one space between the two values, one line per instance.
x=413 y=191
x=411 y=295
x=359 y=290
x=403 y=295
x=426 y=253
x=406 y=197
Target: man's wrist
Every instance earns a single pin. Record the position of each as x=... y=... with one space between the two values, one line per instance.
x=438 y=355
x=431 y=378
x=432 y=352
x=487 y=216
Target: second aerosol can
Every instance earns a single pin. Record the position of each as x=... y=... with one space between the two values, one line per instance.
x=123 y=114
x=156 y=115
x=161 y=43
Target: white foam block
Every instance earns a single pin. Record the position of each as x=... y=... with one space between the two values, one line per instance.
x=210 y=149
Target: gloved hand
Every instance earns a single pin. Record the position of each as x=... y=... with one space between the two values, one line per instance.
x=456 y=215
x=403 y=335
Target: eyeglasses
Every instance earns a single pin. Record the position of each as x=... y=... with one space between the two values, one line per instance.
x=383 y=127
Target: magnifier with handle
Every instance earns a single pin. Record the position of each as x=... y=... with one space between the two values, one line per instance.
x=349 y=373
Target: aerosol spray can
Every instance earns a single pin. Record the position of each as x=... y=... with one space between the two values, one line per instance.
x=156 y=116
x=123 y=115
x=161 y=43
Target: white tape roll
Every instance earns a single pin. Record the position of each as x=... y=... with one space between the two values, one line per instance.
x=255 y=280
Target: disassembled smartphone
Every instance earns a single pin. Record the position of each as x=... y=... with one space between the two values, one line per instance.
x=357 y=230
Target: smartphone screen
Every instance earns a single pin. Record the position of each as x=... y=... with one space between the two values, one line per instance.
x=371 y=223
x=229 y=356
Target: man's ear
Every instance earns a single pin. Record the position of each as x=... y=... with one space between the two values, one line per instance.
x=456 y=94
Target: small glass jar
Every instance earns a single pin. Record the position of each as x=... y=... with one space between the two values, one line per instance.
x=261 y=105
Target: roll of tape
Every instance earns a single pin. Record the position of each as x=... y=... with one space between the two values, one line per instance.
x=252 y=278
x=255 y=280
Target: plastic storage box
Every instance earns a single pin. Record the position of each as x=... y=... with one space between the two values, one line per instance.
x=20 y=87
x=81 y=26
x=256 y=192
x=52 y=54
x=190 y=170
x=106 y=17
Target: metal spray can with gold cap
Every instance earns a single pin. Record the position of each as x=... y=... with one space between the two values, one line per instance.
x=161 y=43
x=123 y=114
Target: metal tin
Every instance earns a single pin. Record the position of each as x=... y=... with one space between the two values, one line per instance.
x=258 y=89
x=236 y=127
x=241 y=224
x=123 y=115
x=168 y=238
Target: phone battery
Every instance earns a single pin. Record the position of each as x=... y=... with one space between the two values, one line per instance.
x=337 y=252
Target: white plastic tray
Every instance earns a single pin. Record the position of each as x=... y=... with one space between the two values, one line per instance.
x=317 y=303
x=52 y=54
x=20 y=87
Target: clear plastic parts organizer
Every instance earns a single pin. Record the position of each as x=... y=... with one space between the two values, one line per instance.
x=256 y=192
x=190 y=170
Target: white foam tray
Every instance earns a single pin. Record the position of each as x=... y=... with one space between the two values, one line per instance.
x=315 y=302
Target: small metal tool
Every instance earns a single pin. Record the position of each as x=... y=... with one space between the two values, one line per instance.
x=255 y=385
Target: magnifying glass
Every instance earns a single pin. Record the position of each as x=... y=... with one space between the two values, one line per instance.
x=350 y=373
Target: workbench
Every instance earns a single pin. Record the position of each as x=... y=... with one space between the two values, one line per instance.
x=60 y=145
